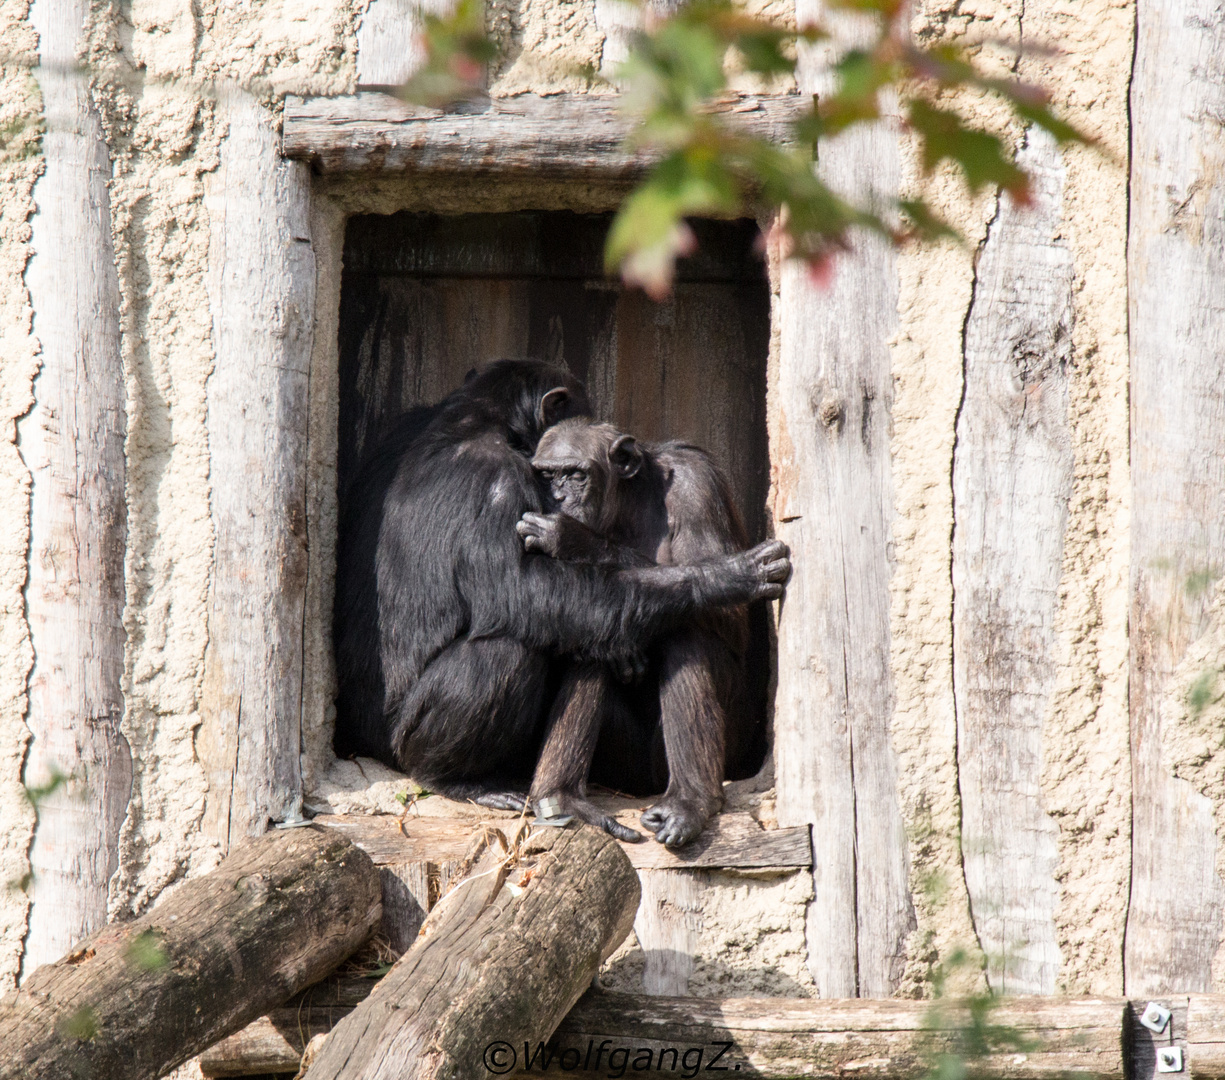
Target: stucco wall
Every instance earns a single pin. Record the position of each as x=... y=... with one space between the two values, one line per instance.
x=160 y=66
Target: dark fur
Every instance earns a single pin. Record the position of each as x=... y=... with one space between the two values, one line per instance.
x=696 y=717
x=447 y=632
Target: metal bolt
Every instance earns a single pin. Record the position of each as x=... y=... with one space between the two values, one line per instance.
x=1155 y=1017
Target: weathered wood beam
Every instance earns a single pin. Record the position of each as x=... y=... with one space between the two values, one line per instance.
x=773 y=1037
x=72 y=443
x=504 y=956
x=879 y=1040
x=731 y=841
x=561 y=136
x=833 y=504
x=1012 y=479
x=138 y=998
x=1175 y=270
x=261 y=291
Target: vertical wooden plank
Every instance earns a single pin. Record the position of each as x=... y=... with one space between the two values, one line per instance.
x=1012 y=478
x=388 y=49
x=72 y=442
x=261 y=291
x=667 y=925
x=834 y=765
x=1176 y=271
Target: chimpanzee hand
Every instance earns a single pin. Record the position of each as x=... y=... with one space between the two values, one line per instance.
x=579 y=807
x=559 y=536
x=769 y=565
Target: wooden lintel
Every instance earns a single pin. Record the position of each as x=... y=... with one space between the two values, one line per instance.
x=731 y=841
x=561 y=136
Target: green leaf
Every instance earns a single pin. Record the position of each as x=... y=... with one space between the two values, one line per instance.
x=649 y=232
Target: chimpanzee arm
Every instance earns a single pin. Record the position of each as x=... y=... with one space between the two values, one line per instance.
x=605 y=613
x=591 y=611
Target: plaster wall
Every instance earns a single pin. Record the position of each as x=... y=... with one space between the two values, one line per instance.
x=159 y=70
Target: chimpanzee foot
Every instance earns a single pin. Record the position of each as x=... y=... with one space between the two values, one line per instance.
x=676 y=821
x=494 y=794
x=577 y=806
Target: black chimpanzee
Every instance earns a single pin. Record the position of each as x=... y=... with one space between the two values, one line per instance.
x=693 y=720
x=448 y=632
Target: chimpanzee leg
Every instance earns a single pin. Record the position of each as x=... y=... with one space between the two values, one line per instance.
x=574 y=728
x=470 y=726
x=693 y=717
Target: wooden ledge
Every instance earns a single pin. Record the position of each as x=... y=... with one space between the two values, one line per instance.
x=562 y=136
x=731 y=841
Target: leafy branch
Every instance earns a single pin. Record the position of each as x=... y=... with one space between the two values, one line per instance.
x=675 y=76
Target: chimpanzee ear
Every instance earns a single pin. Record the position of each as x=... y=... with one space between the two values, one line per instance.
x=553 y=407
x=625 y=456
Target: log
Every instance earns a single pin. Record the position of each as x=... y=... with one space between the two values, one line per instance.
x=561 y=136
x=419 y=858
x=833 y=504
x=1012 y=479
x=1175 y=267
x=72 y=442
x=503 y=957
x=138 y=998
x=877 y=1040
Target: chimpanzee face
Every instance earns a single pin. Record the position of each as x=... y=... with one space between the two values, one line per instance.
x=568 y=459
x=572 y=492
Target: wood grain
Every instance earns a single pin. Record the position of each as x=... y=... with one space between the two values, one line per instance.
x=388 y=42
x=667 y=925
x=274 y=1043
x=730 y=841
x=274 y=917
x=833 y=504
x=769 y=1037
x=1012 y=479
x=803 y=1037
x=504 y=956
x=561 y=136
x=72 y=442
x=1204 y=1036
x=261 y=291
x=1176 y=264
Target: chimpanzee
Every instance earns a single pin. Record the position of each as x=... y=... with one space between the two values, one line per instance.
x=449 y=634
x=693 y=720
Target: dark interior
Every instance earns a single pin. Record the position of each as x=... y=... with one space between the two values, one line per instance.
x=426 y=297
